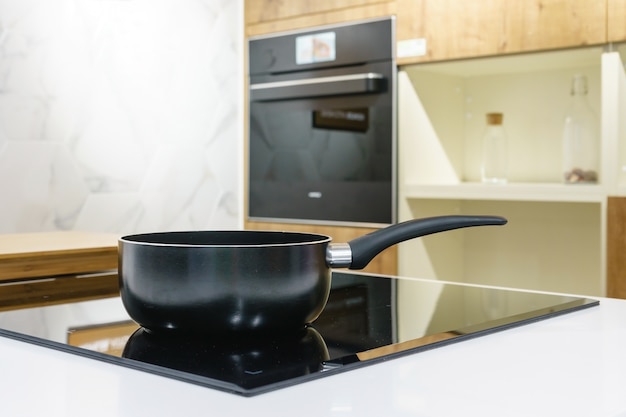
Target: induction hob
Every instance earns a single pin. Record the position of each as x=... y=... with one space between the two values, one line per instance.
x=368 y=319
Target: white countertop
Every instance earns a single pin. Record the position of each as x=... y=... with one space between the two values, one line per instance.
x=572 y=365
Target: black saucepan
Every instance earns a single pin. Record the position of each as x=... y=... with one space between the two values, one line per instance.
x=238 y=282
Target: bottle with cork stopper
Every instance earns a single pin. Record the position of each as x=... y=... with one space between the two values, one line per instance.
x=494 y=167
x=581 y=141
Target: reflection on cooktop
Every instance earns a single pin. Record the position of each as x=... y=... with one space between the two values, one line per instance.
x=367 y=319
x=245 y=363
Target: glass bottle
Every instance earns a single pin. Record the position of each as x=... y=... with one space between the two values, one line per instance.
x=494 y=168
x=581 y=137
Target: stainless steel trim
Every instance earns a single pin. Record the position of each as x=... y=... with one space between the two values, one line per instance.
x=319 y=80
x=339 y=255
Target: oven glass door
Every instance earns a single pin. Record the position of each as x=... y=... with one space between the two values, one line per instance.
x=315 y=157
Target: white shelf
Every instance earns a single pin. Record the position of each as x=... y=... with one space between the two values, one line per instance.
x=555 y=239
x=547 y=192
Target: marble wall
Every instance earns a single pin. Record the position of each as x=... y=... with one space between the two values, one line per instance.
x=120 y=115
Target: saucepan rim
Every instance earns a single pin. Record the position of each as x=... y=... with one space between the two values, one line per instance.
x=225 y=239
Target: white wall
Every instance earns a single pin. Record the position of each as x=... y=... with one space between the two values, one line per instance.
x=120 y=115
x=117 y=116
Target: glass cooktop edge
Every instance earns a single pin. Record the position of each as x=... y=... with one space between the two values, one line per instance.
x=365 y=323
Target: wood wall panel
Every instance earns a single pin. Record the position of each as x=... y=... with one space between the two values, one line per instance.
x=259 y=11
x=616 y=247
x=342 y=15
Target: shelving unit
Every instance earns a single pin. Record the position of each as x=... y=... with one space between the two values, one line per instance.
x=556 y=236
x=547 y=192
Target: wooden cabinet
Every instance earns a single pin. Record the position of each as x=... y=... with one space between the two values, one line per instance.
x=269 y=16
x=453 y=29
x=616 y=20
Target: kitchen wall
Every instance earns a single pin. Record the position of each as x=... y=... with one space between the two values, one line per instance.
x=120 y=115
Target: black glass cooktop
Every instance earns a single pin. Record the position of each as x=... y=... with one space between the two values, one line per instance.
x=368 y=319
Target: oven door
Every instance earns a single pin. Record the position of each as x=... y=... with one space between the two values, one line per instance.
x=322 y=146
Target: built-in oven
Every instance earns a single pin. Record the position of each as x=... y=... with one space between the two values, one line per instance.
x=322 y=125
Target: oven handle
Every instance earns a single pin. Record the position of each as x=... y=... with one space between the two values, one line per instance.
x=318 y=87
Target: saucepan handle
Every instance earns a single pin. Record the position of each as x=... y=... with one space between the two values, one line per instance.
x=357 y=253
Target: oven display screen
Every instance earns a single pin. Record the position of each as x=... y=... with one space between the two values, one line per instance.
x=319 y=47
x=354 y=120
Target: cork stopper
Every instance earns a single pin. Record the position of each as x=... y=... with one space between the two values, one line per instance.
x=494 y=118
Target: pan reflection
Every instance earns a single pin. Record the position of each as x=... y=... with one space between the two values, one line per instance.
x=247 y=363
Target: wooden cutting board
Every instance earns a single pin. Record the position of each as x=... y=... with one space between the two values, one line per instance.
x=49 y=254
